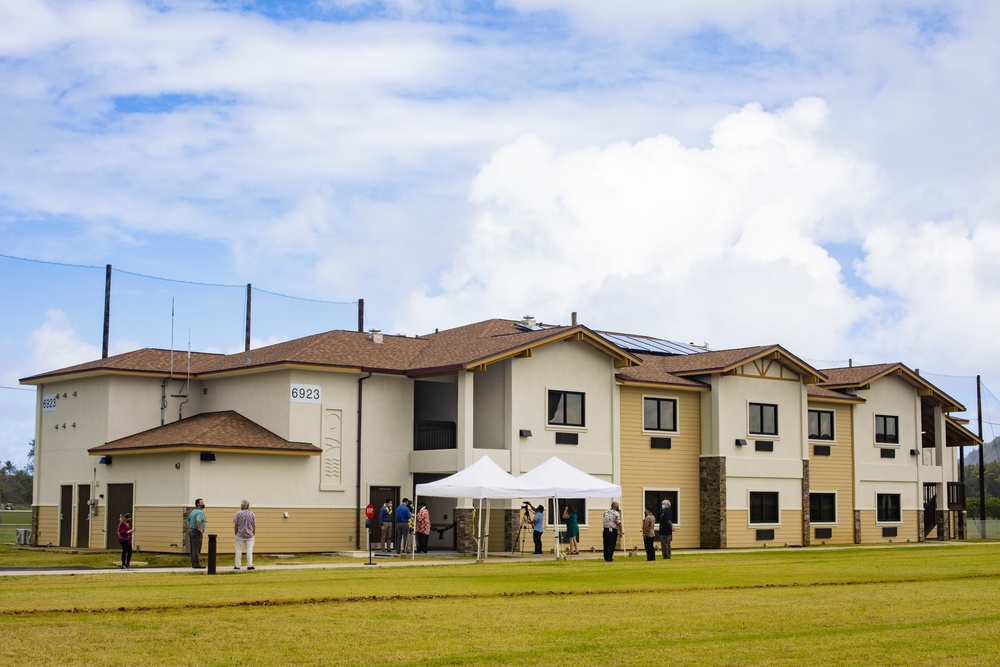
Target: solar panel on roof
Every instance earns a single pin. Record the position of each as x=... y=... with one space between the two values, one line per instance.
x=647 y=344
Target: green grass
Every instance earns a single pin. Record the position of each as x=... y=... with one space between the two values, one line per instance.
x=917 y=605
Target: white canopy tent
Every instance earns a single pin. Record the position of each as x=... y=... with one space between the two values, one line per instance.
x=557 y=479
x=484 y=479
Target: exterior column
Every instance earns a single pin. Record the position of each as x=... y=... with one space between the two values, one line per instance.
x=806 y=525
x=713 y=502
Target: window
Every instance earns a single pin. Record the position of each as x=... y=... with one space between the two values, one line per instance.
x=763 y=419
x=580 y=504
x=820 y=425
x=887 y=508
x=654 y=499
x=822 y=507
x=659 y=414
x=886 y=429
x=764 y=507
x=566 y=408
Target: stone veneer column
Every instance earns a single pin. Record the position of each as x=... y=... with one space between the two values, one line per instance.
x=920 y=526
x=465 y=531
x=960 y=529
x=806 y=525
x=941 y=521
x=857 y=526
x=512 y=529
x=713 y=501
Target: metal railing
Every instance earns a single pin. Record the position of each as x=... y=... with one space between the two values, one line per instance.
x=428 y=435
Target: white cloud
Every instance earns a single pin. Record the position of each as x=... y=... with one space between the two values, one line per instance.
x=56 y=345
x=724 y=241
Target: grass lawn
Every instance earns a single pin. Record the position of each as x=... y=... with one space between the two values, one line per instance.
x=904 y=605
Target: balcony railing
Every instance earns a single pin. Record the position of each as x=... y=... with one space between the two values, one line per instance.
x=430 y=435
x=956 y=496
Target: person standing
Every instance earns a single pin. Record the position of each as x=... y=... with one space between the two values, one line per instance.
x=612 y=527
x=385 y=523
x=125 y=531
x=244 y=530
x=197 y=523
x=666 y=528
x=649 y=533
x=572 y=528
x=403 y=515
x=537 y=528
x=423 y=527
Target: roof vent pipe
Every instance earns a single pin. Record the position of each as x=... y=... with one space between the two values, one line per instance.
x=528 y=321
x=376 y=336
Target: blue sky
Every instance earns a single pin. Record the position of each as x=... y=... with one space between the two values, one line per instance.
x=736 y=172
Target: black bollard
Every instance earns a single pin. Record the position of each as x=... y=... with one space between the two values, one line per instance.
x=211 y=554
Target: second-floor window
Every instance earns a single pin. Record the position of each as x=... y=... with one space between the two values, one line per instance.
x=566 y=408
x=886 y=429
x=763 y=419
x=659 y=414
x=820 y=425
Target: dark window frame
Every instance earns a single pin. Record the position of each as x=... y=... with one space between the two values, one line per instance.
x=819 y=434
x=823 y=507
x=757 y=410
x=653 y=499
x=882 y=431
x=558 y=410
x=888 y=508
x=765 y=508
x=659 y=427
x=581 y=512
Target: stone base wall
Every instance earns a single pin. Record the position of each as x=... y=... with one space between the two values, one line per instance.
x=806 y=525
x=712 y=492
x=465 y=532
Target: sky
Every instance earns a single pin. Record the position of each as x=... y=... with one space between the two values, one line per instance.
x=823 y=176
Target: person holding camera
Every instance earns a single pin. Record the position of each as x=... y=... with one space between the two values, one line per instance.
x=538 y=527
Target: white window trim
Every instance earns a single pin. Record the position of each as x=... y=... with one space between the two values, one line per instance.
x=762 y=436
x=821 y=441
x=889 y=523
x=836 y=512
x=660 y=488
x=677 y=419
x=565 y=428
x=763 y=525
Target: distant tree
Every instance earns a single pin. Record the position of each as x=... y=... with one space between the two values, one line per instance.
x=15 y=485
x=30 y=468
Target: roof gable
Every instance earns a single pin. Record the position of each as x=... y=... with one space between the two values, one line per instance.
x=212 y=431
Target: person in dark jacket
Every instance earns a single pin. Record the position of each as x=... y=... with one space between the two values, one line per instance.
x=666 y=528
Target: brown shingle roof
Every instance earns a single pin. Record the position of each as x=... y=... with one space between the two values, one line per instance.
x=146 y=360
x=226 y=430
x=819 y=392
x=454 y=349
x=721 y=361
x=859 y=377
x=654 y=371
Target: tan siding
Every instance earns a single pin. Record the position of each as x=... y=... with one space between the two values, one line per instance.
x=872 y=532
x=643 y=467
x=159 y=529
x=739 y=533
x=48 y=524
x=306 y=530
x=836 y=473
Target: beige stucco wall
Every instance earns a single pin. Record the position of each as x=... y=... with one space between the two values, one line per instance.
x=566 y=366
x=676 y=469
x=835 y=473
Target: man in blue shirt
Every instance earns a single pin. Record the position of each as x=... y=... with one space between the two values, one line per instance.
x=538 y=526
x=403 y=515
x=197 y=524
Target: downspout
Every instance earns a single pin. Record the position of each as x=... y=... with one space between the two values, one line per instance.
x=357 y=509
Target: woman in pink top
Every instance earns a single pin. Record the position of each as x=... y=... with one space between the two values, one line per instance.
x=423 y=528
x=125 y=531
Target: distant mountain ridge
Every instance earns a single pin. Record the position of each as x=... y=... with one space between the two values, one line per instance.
x=991 y=452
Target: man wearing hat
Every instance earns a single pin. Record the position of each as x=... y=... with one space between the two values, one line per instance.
x=403 y=515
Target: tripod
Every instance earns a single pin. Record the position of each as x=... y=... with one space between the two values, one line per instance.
x=527 y=525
